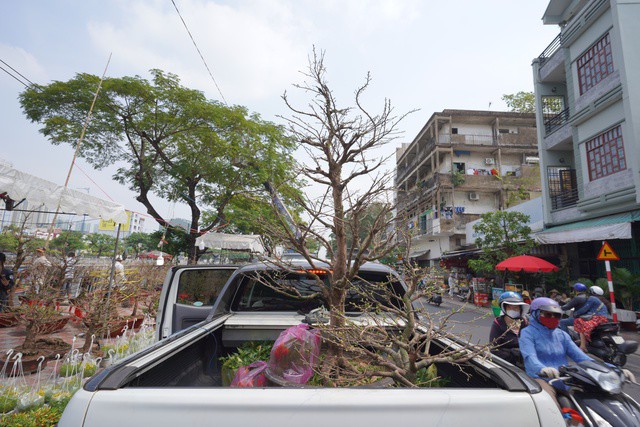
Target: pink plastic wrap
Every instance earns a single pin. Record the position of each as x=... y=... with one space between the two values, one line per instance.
x=295 y=354
x=251 y=376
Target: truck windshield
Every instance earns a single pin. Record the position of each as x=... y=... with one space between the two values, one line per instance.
x=295 y=292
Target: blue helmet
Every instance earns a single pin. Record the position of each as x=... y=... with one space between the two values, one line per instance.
x=511 y=298
x=579 y=287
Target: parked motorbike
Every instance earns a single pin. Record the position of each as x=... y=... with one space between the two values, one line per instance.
x=606 y=344
x=594 y=392
x=464 y=294
x=435 y=299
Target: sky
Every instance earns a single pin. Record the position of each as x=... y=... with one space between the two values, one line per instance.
x=422 y=55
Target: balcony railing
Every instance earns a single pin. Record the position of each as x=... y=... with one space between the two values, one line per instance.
x=555 y=122
x=563 y=187
x=550 y=50
x=565 y=199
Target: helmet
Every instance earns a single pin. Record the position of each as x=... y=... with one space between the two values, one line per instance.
x=579 y=287
x=525 y=294
x=511 y=298
x=545 y=304
x=596 y=290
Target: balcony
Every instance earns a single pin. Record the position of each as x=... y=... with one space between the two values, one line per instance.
x=551 y=62
x=550 y=50
x=553 y=123
x=457 y=225
x=563 y=187
x=483 y=183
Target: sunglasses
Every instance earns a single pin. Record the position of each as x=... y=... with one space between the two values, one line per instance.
x=548 y=314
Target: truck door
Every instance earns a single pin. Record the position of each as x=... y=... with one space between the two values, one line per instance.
x=188 y=296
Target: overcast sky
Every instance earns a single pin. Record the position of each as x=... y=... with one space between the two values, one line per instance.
x=424 y=55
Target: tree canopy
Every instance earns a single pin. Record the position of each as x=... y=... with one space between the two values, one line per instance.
x=521 y=102
x=167 y=140
x=501 y=234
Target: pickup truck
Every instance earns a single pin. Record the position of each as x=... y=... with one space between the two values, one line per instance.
x=208 y=311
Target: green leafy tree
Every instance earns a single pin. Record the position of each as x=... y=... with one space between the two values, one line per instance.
x=174 y=241
x=627 y=286
x=137 y=242
x=521 y=102
x=502 y=234
x=100 y=244
x=169 y=140
x=68 y=241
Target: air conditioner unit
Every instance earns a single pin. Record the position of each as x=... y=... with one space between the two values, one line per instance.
x=489 y=161
x=474 y=196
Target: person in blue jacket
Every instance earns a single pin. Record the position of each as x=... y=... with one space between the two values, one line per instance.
x=545 y=348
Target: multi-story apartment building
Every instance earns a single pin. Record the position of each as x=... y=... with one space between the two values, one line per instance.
x=459 y=166
x=588 y=116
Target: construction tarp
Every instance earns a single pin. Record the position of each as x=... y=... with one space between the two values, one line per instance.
x=250 y=242
x=43 y=194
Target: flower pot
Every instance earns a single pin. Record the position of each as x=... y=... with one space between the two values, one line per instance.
x=29 y=364
x=118 y=327
x=53 y=326
x=9 y=319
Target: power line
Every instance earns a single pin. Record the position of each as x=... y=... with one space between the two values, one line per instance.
x=20 y=81
x=199 y=53
x=32 y=83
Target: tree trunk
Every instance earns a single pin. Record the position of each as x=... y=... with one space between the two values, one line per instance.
x=30 y=338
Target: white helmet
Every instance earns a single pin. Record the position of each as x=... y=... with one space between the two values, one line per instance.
x=596 y=290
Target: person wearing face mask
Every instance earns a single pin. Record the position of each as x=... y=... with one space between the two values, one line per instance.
x=545 y=347
x=505 y=329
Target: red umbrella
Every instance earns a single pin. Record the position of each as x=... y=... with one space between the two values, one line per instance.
x=527 y=263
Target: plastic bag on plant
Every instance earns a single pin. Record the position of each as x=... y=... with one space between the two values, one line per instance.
x=29 y=401
x=295 y=354
x=251 y=376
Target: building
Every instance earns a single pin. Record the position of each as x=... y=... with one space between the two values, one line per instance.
x=588 y=116
x=459 y=166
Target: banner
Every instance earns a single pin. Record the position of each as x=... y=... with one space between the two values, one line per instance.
x=110 y=225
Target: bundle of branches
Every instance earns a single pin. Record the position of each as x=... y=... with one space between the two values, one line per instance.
x=397 y=335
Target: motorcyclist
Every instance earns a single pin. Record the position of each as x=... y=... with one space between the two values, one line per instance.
x=505 y=329
x=576 y=302
x=545 y=348
x=592 y=313
x=597 y=292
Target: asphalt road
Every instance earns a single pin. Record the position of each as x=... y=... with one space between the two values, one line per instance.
x=474 y=324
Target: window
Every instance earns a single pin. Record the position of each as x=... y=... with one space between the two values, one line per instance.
x=459 y=167
x=454 y=131
x=595 y=64
x=605 y=154
x=266 y=292
x=201 y=287
x=503 y=130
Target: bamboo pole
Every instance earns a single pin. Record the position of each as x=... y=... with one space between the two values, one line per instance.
x=75 y=154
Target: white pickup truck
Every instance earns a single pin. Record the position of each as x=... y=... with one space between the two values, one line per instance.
x=203 y=316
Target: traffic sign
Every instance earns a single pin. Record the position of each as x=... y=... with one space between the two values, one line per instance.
x=607 y=253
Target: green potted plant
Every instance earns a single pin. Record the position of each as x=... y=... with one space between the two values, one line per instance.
x=249 y=352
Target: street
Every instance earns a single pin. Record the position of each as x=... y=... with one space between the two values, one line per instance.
x=474 y=324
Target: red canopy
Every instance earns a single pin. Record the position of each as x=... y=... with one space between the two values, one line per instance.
x=527 y=263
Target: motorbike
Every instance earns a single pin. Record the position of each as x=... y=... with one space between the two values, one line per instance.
x=435 y=299
x=590 y=394
x=606 y=344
